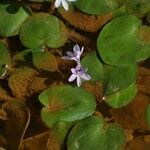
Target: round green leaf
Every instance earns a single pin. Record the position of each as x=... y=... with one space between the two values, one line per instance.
x=119 y=42
x=138 y=7
x=94 y=133
x=121 y=98
x=148 y=114
x=4 y=59
x=117 y=78
x=66 y=103
x=42 y=30
x=98 y=7
x=12 y=15
x=94 y=66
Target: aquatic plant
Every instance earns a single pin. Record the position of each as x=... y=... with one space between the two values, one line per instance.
x=44 y=62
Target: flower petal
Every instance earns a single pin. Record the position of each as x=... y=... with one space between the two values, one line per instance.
x=57 y=3
x=76 y=48
x=72 y=78
x=73 y=70
x=65 y=4
x=78 y=81
x=82 y=49
x=85 y=76
x=66 y=57
x=70 y=54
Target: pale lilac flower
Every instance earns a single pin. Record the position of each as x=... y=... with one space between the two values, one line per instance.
x=75 y=55
x=64 y=3
x=80 y=73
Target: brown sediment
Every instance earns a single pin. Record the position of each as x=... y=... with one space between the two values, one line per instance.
x=56 y=105
x=84 y=21
x=144 y=34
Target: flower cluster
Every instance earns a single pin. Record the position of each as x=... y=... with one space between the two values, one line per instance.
x=64 y=3
x=78 y=72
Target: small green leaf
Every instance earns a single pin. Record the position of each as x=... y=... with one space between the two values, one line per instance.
x=148 y=115
x=12 y=15
x=94 y=133
x=43 y=60
x=98 y=7
x=94 y=66
x=66 y=103
x=119 y=42
x=4 y=59
x=122 y=97
x=117 y=78
x=42 y=30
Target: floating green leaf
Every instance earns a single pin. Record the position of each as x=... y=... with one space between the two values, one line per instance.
x=119 y=42
x=94 y=133
x=98 y=7
x=148 y=114
x=12 y=15
x=66 y=103
x=42 y=30
x=4 y=59
x=121 y=98
x=94 y=66
x=117 y=78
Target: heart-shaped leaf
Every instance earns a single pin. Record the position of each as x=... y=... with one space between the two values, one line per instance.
x=94 y=133
x=4 y=59
x=12 y=15
x=117 y=78
x=98 y=7
x=121 y=98
x=94 y=66
x=42 y=30
x=66 y=103
x=120 y=43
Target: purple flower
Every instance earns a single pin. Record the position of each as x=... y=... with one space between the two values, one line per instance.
x=80 y=73
x=75 y=55
x=64 y=3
